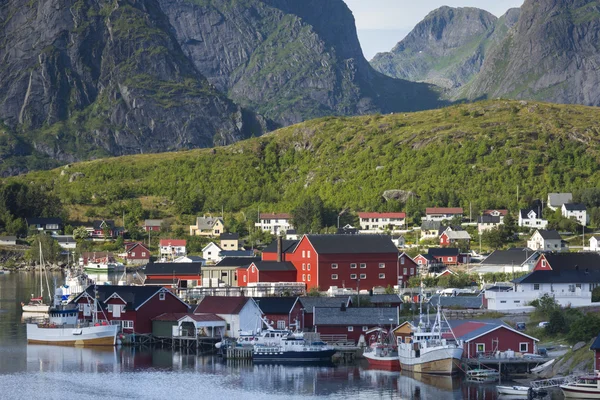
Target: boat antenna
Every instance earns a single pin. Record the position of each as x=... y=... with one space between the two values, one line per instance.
x=421 y=305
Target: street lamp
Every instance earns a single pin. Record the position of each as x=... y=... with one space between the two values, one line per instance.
x=302 y=309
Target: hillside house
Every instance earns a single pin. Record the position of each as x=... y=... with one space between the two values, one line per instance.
x=169 y=249
x=8 y=241
x=211 y=253
x=152 y=225
x=66 y=242
x=442 y=213
x=208 y=226
x=508 y=261
x=452 y=237
x=496 y=213
x=556 y=200
x=547 y=240
x=488 y=222
x=46 y=225
x=103 y=229
x=430 y=229
x=137 y=253
x=276 y=223
x=575 y=211
x=595 y=347
x=594 y=243
x=531 y=218
x=230 y=241
x=374 y=222
x=267 y=271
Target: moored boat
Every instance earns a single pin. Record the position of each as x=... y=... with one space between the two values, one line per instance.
x=383 y=351
x=514 y=390
x=36 y=304
x=585 y=387
x=293 y=349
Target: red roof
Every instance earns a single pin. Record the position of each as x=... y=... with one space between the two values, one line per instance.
x=442 y=210
x=381 y=215
x=221 y=305
x=501 y=212
x=196 y=317
x=275 y=216
x=172 y=242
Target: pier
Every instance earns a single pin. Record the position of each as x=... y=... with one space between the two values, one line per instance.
x=506 y=366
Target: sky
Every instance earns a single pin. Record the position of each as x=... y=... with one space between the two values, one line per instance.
x=383 y=23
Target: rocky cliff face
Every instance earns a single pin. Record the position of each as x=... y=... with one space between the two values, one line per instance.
x=447 y=48
x=90 y=78
x=551 y=54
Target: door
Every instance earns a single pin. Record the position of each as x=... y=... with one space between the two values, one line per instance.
x=87 y=310
x=117 y=310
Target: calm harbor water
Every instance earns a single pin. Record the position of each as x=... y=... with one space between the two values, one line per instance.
x=49 y=372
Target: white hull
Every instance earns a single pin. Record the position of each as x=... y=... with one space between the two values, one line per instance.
x=580 y=392
x=36 y=308
x=102 y=335
x=99 y=267
x=513 y=390
x=431 y=360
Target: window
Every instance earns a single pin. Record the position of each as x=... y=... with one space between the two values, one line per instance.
x=381 y=276
x=480 y=347
x=127 y=324
x=536 y=286
x=365 y=328
x=353 y=265
x=405 y=271
x=517 y=301
x=110 y=308
x=161 y=296
x=543 y=263
x=280 y=324
x=419 y=261
x=363 y=276
x=81 y=306
x=244 y=278
x=402 y=260
x=143 y=254
x=524 y=347
x=334 y=266
x=450 y=259
x=334 y=276
x=228 y=327
x=308 y=267
x=502 y=301
x=381 y=265
x=572 y=288
x=309 y=277
x=363 y=265
x=352 y=276
x=350 y=329
x=133 y=254
x=412 y=271
x=303 y=277
x=303 y=254
x=303 y=267
x=308 y=254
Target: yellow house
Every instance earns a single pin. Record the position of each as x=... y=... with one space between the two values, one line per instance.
x=208 y=226
x=230 y=241
x=404 y=331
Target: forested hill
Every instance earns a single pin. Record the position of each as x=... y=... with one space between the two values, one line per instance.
x=476 y=153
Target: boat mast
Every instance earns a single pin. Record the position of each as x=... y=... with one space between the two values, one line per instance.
x=41 y=273
x=421 y=305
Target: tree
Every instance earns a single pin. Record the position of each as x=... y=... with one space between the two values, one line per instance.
x=80 y=233
x=510 y=225
x=308 y=216
x=313 y=292
x=50 y=249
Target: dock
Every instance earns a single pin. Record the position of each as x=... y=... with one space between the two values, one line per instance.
x=553 y=382
x=507 y=366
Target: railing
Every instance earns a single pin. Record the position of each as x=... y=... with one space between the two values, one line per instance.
x=337 y=340
x=553 y=382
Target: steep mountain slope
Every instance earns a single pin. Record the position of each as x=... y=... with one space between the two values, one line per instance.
x=447 y=48
x=473 y=153
x=288 y=60
x=82 y=79
x=551 y=54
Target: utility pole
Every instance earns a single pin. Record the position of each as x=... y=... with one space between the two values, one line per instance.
x=470 y=213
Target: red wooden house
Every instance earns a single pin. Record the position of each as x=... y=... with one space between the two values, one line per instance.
x=453 y=237
x=266 y=271
x=407 y=269
x=595 y=347
x=133 y=306
x=567 y=261
x=353 y=322
x=179 y=276
x=137 y=253
x=103 y=229
x=152 y=225
x=281 y=312
x=270 y=253
x=310 y=303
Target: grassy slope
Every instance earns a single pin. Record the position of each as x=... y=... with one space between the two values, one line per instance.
x=477 y=152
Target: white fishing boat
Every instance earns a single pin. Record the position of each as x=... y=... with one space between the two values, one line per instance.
x=63 y=328
x=584 y=387
x=382 y=351
x=429 y=351
x=100 y=265
x=294 y=349
x=36 y=304
x=514 y=390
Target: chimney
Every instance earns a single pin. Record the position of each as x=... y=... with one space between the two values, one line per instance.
x=343 y=307
x=279 y=246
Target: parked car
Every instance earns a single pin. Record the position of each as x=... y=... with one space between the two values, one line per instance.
x=520 y=326
x=543 y=324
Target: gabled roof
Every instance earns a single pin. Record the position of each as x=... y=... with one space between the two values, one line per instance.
x=213 y=244
x=135 y=296
x=58 y=238
x=596 y=344
x=193 y=259
x=572 y=261
x=287 y=246
x=275 y=216
x=515 y=256
x=471 y=330
x=135 y=246
x=443 y=210
x=276 y=305
x=172 y=242
x=574 y=207
x=399 y=215
x=170 y=268
x=100 y=224
x=309 y=302
x=43 y=221
x=549 y=234
x=564 y=276
x=221 y=304
x=153 y=222
x=443 y=251
x=500 y=212
x=273 y=266
x=234 y=262
x=457 y=235
x=525 y=213
x=488 y=219
x=174 y=317
x=229 y=236
x=382 y=298
x=468 y=302
x=352 y=244
x=431 y=225
x=356 y=316
x=204 y=223
x=11 y=238
x=236 y=253
x=558 y=199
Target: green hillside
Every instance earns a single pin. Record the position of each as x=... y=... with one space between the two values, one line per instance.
x=476 y=153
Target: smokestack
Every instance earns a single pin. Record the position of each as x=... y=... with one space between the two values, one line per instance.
x=279 y=246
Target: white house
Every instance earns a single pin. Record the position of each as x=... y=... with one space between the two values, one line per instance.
x=576 y=211
x=66 y=242
x=211 y=253
x=556 y=200
x=373 y=222
x=543 y=240
x=190 y=259
x=241 y=314
x=399 y=241
x=8 y=240
x=275 y=223
x=488 y=222
x=532 y=219
x=594 y=243
x=171 y=248
x=508 y=261
x=442 y=213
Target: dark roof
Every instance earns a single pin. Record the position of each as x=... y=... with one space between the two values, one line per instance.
x=352 y=244
x=443 y=251
x=236 y=253
x=309 y=302
x=431 y=225
x=221 y=305
x=234 y=262
x=229 y=236
x=516 y=256
x=572 y=261
x=596 y=344
x=167 y=281
x=565 y=276
x=382 y=298
x=174 y=317
x=64 y=239
x=549 y=235
x=288 y=246
x=488 y=219
x=44 y=221
x=526 y=211
x=356 y=316
x=574 y=207
x=275 y=305
x=173 y=269
x=274 y=266
x=468 y=302
x=97 y=224
x=135 y=296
